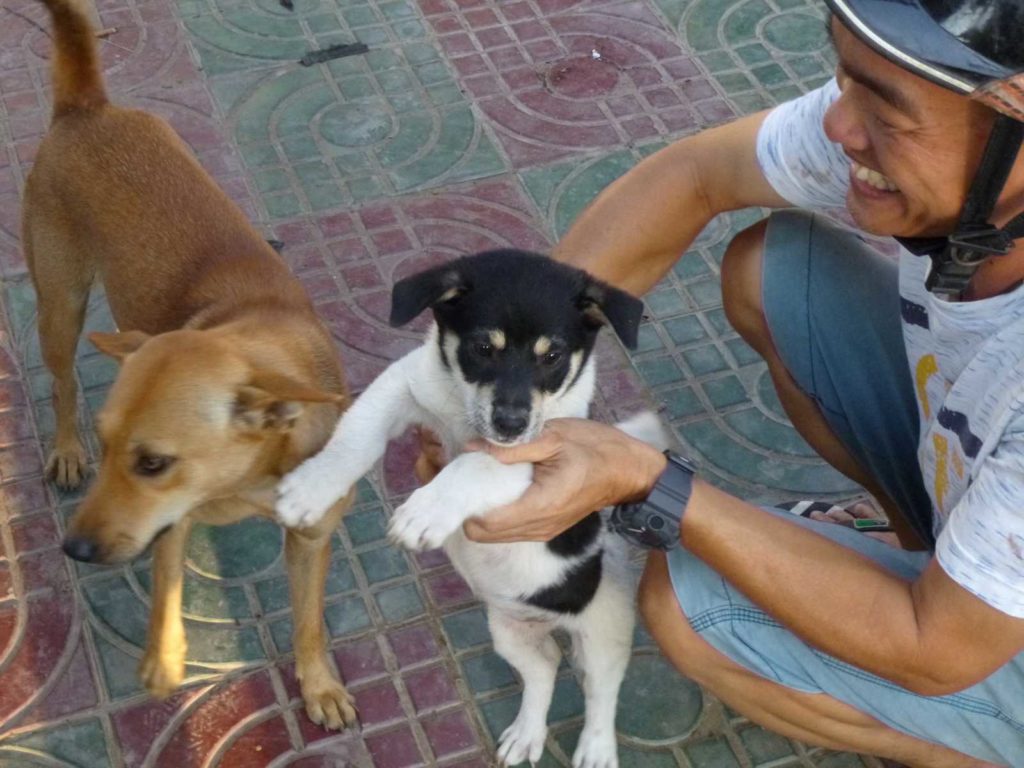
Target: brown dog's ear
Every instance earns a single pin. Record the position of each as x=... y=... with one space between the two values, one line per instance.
x=118 y=345
x=274 y=401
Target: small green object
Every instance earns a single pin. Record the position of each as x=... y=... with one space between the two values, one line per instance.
x=872 y=525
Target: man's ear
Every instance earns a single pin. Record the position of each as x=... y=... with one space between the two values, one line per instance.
x=271 y=401
x=425 y=289
x=603 y=304
x=118 y=345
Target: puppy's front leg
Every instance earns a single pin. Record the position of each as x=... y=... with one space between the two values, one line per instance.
x=307 y=554
x=383 y=410
x=472 y=484
x=163 y=664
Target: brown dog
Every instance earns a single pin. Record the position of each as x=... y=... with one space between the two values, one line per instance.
x=227 y=379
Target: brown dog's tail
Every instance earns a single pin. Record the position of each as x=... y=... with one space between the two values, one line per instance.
x=77 y=76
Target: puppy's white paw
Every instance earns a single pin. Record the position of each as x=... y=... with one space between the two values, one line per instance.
x=306 y=493
x=521 y=741
x=424 y=521
x=596 y=750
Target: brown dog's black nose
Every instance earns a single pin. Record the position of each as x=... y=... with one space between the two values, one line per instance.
x=79 y=549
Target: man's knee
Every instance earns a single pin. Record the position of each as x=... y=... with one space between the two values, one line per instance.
x=664 y=618
x=741 y=284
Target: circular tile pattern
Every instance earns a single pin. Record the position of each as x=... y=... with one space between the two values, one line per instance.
x=582 y=77
x=356 y=125
x=657 y=704
x=795 y=33
x=234 y=551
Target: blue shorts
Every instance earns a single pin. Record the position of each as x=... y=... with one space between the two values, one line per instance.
x=824 y=319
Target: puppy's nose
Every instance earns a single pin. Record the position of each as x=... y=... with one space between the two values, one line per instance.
x=510 y=420
x=79 y=549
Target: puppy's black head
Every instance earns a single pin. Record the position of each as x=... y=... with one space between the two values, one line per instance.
x=520 y=328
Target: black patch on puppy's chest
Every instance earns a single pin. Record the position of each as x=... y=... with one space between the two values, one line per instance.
x=575 y=591
x=575 y=540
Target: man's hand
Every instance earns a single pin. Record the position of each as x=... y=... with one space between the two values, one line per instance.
x=579 y=466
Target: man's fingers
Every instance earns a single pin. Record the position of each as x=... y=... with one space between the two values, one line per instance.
x=516 y=521
x=496 y=527
x=541 y=449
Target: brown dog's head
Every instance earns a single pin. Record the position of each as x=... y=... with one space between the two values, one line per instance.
x=189 y=419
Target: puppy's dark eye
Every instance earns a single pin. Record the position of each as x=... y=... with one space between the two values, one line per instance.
x=484 y=349
x=152 y=464
x=551 y=358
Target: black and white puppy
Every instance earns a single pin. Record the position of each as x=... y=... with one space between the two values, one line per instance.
x=511 y=348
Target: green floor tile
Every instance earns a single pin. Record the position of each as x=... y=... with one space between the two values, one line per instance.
x=711 y=753
x=346 y=616
x=656 y=703
x=658 y=371
x=366 y=525
x=487 y=672
x=466 y=629
x=234 y=551
x=74 y=744
x=400 y=603
x=383 y=563
x=705 y=359
x=765 y=746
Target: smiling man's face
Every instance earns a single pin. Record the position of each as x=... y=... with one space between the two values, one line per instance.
x=913 y=145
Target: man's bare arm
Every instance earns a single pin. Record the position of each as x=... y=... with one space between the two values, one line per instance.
x=641 y=224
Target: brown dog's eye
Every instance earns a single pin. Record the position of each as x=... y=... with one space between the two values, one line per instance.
x=151 y=464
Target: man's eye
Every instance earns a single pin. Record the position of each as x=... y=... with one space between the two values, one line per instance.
x=151 y=464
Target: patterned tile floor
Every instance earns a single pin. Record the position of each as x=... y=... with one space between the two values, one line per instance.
x=467 y=124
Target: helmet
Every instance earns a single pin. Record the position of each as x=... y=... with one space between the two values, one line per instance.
x=974 y=47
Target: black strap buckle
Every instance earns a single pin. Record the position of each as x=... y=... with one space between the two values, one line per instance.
x=972 y=246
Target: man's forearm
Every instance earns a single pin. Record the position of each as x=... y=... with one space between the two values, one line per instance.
x=831 y=597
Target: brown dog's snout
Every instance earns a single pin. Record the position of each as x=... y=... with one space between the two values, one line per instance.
x=80 y=548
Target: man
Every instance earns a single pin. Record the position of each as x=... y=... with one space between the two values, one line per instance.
x=908 y=378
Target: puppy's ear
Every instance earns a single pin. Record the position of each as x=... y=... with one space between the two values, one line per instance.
x=118 y=345
x=425 y=289
x=602 y=304
x=271 y=401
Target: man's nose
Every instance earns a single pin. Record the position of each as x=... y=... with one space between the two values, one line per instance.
x=844 y=124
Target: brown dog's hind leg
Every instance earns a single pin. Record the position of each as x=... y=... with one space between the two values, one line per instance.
x=307 y=553
x=163 y=664
x=62 y=280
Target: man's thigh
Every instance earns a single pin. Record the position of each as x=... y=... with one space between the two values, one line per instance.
x=985 y=720
x=833 y=310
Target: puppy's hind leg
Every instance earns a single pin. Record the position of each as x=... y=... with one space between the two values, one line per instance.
x=530 y=649
x=307 y=555
x=602 y=641
x=62 y=278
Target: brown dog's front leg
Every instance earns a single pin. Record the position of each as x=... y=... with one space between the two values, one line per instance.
x=61 y=316
x=163 y=665
x=307 y=553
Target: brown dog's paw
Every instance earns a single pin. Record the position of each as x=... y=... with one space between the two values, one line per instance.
x=67 y=467
x=329 y=704
x=162 y=673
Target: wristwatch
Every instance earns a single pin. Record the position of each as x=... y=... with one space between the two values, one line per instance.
x=654 y=522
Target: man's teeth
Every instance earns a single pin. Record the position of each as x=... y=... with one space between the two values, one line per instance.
x=873 y=178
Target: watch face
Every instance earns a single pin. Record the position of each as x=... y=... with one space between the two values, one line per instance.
x=642 y=527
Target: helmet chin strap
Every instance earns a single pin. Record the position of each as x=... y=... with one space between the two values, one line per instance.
x=956 y=258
